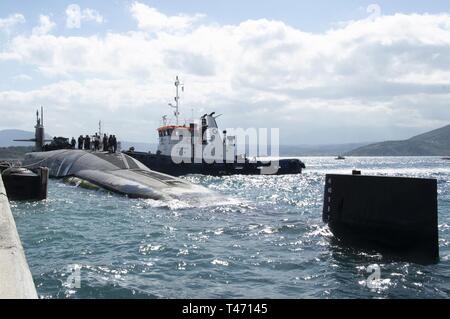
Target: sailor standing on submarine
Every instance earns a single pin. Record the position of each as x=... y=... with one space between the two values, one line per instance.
x=80 y=142
x=87 y=143
x=105 y=143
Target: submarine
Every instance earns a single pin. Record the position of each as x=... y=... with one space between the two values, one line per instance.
x=203 y=135
x=115 y=172
x=118 y=173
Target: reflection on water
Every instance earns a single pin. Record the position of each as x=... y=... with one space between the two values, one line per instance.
x=263 y=238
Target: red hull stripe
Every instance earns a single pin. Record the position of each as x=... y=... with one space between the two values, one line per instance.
x=163 y=128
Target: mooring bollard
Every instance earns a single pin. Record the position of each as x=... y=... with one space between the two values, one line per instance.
x=396 y=215
x=43 y=174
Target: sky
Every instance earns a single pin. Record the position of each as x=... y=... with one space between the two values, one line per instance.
x=323 y=72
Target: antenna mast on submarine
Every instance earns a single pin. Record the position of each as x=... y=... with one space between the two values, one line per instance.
x=39 y=134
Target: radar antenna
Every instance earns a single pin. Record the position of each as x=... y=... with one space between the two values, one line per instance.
x=177 y=99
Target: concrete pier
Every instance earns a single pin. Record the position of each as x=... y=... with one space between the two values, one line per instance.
x=16 y=281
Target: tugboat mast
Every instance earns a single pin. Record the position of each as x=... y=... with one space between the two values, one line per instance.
x=177 y=100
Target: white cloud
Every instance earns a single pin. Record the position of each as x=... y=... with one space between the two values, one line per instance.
x=150 y=19
x=92 y=15
x=45 y=25
x=22 y=77
x=75 y=16
x=367 y=80
x=10 y=21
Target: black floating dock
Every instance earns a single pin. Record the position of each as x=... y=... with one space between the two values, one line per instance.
x=395 y=215
x=23 y=184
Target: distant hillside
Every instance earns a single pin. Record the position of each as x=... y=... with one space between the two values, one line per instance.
x=14 y=152
x=434 y=143
x=7 y=137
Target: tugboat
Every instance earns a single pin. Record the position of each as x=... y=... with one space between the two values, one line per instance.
x=202 y=135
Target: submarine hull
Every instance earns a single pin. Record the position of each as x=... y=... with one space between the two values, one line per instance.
x=118 y=173
x=164 y=164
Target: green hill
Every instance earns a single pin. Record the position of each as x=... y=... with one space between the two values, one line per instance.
x=433 y=143
x=14 y=152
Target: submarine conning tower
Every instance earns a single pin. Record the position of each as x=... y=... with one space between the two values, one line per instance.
x=39 y=134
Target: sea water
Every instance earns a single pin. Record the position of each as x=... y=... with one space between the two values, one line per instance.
x=265 y=240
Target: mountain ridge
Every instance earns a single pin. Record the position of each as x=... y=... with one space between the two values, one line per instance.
x=431 y=143
x=8 y=136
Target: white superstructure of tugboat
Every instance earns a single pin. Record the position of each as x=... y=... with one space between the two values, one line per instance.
x=201 y=133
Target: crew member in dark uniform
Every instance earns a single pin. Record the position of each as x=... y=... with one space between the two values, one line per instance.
x=110 y=144
x=114 y=140
x=96 y=142
x=105 y=143
x=73 y=143
x=80 y=142
x=87 y=143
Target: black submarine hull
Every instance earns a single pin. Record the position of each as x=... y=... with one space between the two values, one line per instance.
x=164 y=164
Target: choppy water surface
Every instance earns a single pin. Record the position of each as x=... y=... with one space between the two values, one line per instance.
x=266 y=240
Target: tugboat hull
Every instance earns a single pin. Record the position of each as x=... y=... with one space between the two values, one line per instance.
x=164 y=164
